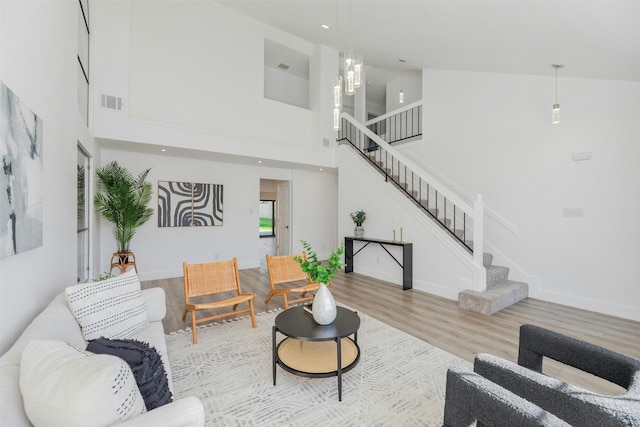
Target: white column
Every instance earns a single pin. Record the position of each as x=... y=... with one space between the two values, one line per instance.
x=478 y=243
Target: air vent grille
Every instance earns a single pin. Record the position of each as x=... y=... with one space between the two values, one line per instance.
x=283 y=66
x=111 y=102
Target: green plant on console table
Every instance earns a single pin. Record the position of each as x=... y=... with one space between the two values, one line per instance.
x=315 y=269
x=358 y=217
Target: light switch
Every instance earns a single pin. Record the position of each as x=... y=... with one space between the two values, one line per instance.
x=573 y=212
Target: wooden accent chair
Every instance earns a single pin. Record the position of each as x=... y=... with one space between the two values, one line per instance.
x=283 y=269
x=209 y=279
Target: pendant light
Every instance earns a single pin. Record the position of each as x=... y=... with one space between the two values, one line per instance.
x=337 y=102
x=357 y=71
x=349 y=73
x=401 y=93
x=555 y=111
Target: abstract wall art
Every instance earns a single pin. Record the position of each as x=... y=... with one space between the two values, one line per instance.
x=20 y=175
x=189 y=204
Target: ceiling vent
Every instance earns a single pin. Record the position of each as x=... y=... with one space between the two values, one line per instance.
x=283 y=66
x=111 y=102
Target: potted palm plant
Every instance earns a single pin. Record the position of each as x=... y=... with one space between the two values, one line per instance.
x=324 y=306
x=124 y=201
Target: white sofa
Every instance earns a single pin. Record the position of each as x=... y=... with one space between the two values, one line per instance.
x=57 y=322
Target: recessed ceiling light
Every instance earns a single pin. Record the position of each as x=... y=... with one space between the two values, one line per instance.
x=163 y=150
x=320 y=169
x=259 y=161
x=325 y=26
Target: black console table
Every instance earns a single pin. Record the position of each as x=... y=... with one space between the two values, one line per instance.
x=407 y=257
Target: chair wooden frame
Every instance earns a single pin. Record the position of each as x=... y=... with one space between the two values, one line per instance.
x=209 y=279
x=284 y=269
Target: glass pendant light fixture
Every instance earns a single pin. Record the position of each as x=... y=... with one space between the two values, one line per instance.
x=401 y=93
x=337 y=102
x=336 y=119
x=357 y=71
x=353 y=74
x=555 y=111
x=349 y=73
x=337 y=92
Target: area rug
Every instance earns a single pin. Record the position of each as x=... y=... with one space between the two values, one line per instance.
x=399 y=381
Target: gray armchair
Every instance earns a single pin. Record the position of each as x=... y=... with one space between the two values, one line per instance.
x=500 y=392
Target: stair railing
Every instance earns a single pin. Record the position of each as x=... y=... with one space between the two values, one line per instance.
x=459 y=219
x=400 y=125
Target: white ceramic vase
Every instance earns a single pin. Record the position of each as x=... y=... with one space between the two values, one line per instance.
x=324 y=306
x=358 y=231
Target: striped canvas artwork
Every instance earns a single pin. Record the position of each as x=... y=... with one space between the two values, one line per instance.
x=189 y=204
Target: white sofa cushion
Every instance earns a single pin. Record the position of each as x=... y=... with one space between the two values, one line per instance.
x=112 y=308
x=62 y=385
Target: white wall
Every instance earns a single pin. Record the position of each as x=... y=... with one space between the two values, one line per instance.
x=314 y=211
x=161 y=251
x=440 y=266
x=492 y=134
x=412 y=86
x=39 y=48
x=183 y=86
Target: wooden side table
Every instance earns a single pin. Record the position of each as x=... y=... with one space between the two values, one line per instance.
x=123 y=262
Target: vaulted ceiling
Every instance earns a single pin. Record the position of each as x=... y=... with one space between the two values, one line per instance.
x=593 y=39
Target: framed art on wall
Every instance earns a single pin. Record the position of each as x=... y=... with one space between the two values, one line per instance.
x=189 y=204
x=20 y=175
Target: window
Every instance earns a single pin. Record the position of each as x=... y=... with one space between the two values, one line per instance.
x=286 y=74
x=82 y=215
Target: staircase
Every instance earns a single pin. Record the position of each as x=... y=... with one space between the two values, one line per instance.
x=500 y=293
x=462 y=222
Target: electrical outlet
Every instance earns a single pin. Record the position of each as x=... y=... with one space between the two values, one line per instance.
x=573 y=212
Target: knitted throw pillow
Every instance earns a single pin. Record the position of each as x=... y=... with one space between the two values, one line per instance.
x=146 y=364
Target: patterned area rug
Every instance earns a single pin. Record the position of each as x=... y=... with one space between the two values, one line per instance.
x=399 y=381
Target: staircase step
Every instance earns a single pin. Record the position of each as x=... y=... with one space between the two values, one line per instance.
x=496 y=275
x=401 y=184
x=495 y=299
x=487 y=259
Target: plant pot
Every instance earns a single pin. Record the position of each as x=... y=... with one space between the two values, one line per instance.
x=324 y=306
x=358 y=231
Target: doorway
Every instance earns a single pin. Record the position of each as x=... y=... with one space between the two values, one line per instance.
x=275 y=216
x=267 y=218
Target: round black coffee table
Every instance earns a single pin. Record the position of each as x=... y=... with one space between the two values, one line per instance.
x=308 y=350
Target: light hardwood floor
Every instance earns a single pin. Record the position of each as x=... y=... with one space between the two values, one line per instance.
x=441 y=323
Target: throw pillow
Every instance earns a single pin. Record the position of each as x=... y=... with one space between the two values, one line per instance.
x=112 y=308
x=146 y=364
x=64 y=386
